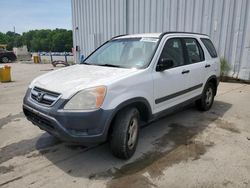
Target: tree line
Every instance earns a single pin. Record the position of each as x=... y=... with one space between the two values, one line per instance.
x=57 y=40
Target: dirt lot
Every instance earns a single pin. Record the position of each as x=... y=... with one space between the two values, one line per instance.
x=186 y=149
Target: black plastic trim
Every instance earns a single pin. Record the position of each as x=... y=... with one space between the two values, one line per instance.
x=185 y=71
x=159 y=100
x=133 y=101
x=173 y=108
x=217 y=81
x=179 y=32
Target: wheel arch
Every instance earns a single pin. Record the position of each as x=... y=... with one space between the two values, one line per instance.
x=140 y=103
x=214 y=80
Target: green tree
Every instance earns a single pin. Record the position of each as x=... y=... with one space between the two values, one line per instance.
x=3 y=38
x=59 y=40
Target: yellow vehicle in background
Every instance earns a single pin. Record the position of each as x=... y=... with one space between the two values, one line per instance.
x=3 y=46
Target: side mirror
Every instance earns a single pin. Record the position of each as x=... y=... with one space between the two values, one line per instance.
x=82 y=58
x=164 y=64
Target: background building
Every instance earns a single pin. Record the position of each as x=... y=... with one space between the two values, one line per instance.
x=227 y=22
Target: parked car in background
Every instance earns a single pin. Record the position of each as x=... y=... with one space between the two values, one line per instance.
x=128 y=80
x=7 y=56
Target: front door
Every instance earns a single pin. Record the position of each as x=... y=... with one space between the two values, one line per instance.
x=171 y=84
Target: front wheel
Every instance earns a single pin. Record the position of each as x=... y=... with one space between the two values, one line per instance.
x=124 y=137
x=5 y=59
x=207 y=98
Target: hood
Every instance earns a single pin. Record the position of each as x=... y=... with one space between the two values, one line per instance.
x=69 y=80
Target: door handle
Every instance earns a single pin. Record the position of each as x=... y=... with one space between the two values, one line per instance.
x=185 y=71
x=207 y=65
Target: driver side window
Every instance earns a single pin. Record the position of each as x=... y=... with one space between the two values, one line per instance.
x=173 y=51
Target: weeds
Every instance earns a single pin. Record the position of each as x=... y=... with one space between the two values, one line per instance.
x=224 y=67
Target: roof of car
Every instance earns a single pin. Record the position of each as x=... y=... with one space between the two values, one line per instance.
x=156 y=35
x=151 y=35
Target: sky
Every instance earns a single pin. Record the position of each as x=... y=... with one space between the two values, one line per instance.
x=28 y=15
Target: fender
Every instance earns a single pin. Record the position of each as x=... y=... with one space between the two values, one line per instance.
x=133 y=101
x=217 y=81
x=126 y=104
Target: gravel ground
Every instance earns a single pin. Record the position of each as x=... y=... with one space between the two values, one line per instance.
x=186 y=149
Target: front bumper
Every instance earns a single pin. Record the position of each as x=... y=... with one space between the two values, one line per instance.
x=81 y=127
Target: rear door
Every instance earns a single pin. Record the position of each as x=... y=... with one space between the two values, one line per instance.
x=212 y=61
x=196 y=65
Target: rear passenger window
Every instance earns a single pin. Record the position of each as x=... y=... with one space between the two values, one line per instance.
x=173 y=51
x=194 y=50
x=210 y=47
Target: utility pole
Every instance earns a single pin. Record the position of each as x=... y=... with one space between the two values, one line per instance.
x=14 y=28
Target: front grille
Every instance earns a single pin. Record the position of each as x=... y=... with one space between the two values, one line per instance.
x=43 y=96
x=38 y=119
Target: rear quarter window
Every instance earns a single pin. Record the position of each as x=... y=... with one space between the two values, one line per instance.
x=210 y=47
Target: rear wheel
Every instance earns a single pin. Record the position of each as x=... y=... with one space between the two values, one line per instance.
x=207 y=98
x=5 y=59
x=124 y=137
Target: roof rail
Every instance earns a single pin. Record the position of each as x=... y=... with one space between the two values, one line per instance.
x=173 y=32
x=118 y=36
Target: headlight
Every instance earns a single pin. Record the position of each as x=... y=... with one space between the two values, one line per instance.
x=87 y=99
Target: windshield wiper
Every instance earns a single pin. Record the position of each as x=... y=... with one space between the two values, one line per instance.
x=106 y=65
x=85 y=63
x=109 y=65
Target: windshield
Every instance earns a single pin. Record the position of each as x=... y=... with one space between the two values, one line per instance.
x=125 y=53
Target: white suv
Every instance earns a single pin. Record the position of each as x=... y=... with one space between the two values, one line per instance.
x=128 y=80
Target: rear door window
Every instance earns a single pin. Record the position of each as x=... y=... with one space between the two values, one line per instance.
x=194 y=50
x=210 y=47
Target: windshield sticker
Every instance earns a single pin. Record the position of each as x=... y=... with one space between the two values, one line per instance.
x=139 y=64
x=149 y=39
x=176 y=44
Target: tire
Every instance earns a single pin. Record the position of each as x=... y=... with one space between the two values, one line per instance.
x=5 y=59
x=124 y=137
x=207 y=98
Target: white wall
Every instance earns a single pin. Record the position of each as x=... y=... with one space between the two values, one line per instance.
x=227 y=22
